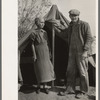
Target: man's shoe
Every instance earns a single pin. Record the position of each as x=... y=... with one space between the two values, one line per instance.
x=79 y=95
x=62 y=93
x=66 y=92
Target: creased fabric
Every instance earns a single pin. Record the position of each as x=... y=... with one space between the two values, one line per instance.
x=44 y=69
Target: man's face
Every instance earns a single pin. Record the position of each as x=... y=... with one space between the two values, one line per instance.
x=74 y=18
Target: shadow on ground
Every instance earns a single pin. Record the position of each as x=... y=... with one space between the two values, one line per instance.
x=92 y=97
x=26 y=89
x=27 y=92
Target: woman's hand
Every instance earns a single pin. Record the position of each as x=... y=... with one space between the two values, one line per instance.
x=84 y=55
x=34 y=59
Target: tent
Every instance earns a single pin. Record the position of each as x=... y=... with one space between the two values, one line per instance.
x=59 y=49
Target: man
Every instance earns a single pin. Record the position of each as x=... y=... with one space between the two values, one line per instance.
x=79 y=38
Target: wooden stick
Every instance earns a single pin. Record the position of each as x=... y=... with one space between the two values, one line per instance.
x=53 y=50
x=53 y=45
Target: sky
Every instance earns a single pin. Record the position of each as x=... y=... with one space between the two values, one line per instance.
x=87 y=10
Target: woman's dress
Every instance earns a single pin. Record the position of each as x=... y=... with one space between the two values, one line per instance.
x=44 y=69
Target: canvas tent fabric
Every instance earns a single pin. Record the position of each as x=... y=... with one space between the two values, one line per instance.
x=52 y=14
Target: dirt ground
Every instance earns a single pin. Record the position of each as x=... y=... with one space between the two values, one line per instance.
x=28 y=93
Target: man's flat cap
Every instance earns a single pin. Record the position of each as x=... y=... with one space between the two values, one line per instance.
x=74 y=12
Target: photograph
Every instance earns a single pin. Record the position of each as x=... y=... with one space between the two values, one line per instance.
x=57 y=49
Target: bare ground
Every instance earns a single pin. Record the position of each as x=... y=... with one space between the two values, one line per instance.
x=30 y=94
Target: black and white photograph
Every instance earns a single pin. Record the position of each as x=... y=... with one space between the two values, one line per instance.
x=56 y=50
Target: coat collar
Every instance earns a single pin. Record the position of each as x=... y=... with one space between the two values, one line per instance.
x=39 y=30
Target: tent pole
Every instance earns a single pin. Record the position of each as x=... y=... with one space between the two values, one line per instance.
x=19 y=69
x=53 y=49
x=53 y=45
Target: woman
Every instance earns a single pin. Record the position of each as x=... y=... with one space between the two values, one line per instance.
x=43 y=67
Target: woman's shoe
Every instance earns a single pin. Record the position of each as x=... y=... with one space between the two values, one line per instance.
x=46 y=90
x=38 y=90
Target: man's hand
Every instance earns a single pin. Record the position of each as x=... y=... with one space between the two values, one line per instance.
x=50 y=55
x=84 y=55
x=55 y=22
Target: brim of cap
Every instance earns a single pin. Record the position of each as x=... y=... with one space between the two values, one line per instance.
x=74 y=14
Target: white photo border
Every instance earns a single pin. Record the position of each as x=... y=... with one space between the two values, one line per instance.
x=9 y=48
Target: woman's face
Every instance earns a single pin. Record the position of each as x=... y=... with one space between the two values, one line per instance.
x=74 y=18
x=40 y=23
